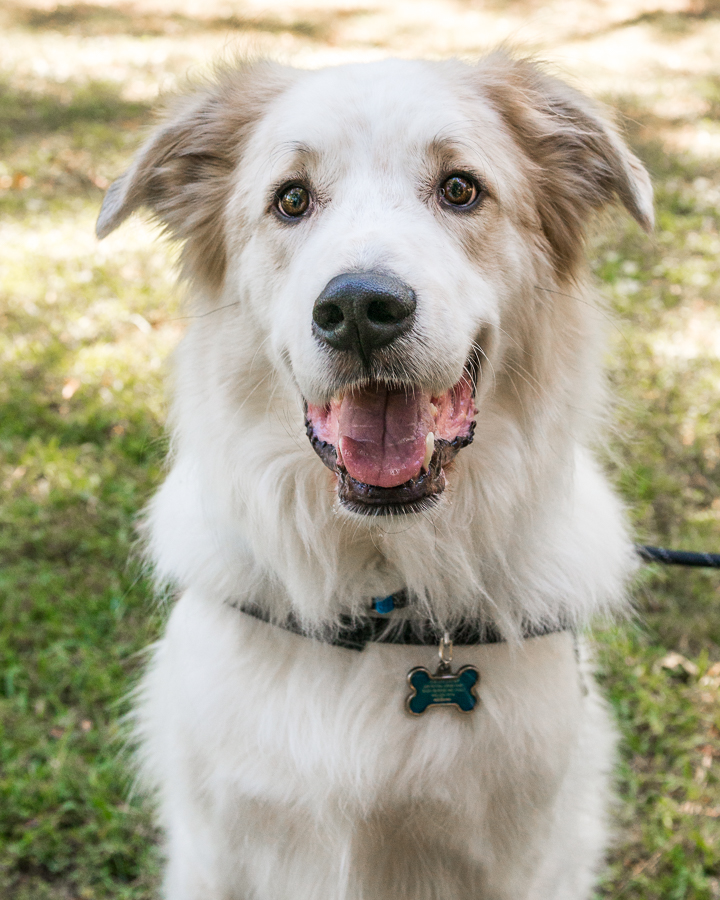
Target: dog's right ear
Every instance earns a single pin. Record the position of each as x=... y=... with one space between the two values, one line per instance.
x=183 y=172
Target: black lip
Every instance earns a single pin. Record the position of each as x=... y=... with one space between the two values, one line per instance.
x=417 y=494
x=412 y=496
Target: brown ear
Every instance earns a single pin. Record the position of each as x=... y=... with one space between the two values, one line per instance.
x=183 y=172
x=579 y=163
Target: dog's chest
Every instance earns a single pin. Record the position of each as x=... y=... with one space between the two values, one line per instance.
x=280 y=715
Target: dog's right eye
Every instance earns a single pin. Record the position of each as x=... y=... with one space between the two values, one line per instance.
x=459 y=190
x=293 y=201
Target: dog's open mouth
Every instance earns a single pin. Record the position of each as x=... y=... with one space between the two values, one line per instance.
x=390 y=447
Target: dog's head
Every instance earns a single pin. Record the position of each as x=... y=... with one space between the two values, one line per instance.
x=397 y=240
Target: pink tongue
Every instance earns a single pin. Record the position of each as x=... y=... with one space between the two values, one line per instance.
x=382 y=435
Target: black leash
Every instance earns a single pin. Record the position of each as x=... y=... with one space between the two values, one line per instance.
x=678 y=557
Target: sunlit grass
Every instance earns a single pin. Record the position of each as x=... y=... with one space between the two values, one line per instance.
x=86 y=330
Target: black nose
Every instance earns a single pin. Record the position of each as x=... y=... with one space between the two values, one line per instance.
x=363 y=312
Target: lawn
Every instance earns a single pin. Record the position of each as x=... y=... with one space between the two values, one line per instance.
x=86 y=330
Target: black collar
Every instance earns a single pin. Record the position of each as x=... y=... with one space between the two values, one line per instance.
x=356 y=633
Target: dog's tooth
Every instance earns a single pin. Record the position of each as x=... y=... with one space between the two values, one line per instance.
x=429 y=450
x=433 y=409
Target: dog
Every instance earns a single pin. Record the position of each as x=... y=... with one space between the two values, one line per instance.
x=385 y=408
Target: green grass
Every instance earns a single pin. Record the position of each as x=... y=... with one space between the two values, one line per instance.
x=85 y=330
x=82 y=343
x=665 y=458
x=670 y=809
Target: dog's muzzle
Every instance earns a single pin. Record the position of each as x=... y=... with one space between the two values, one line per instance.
x=389 y=445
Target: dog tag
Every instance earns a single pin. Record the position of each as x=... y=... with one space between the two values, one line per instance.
x=445 y=687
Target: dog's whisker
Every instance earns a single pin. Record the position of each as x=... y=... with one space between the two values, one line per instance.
x=210 y=312
x=533 y=384
x=260 y=347
x=481 y=369
x=597 y=307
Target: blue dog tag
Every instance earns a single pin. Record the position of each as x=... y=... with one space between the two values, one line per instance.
x=442 y=689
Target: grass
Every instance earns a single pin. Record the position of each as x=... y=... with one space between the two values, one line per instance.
x=81 y=448
x=85 y=331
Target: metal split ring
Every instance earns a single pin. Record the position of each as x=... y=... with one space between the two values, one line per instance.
x=445 y=650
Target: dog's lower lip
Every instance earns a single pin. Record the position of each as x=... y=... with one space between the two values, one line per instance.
x=418 y=492
x=414 y=495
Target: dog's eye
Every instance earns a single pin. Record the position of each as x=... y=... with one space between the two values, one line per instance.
x=293 y=200
x=459 y=190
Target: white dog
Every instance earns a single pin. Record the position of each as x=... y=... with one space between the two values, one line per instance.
x=383 y=258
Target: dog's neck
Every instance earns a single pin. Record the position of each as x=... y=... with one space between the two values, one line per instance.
x=380 y=625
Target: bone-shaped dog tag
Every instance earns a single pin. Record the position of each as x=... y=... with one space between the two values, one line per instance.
x=445 y=687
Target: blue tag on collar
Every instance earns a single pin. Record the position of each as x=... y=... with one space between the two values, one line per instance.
x=444 y=688
x=384 y=605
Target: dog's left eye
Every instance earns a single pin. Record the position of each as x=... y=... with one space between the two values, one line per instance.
x=293 y=201
x=459 y=190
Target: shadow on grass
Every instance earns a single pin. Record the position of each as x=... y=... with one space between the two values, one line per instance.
x=670 y=24
x=653 y=137
x=63 y=107
x=666 y=24
x=57 y=141
x=92 y=19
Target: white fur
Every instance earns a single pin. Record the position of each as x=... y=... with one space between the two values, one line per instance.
x=286 y=768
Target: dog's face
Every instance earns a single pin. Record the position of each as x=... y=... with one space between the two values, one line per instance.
x=385 y=229
x=372 y=193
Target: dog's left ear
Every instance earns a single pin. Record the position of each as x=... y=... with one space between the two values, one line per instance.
x=579 y=163
x=183 y=173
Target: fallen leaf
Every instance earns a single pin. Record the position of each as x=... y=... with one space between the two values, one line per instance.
x=69 y=388
x=674 y=660
x=20 y=181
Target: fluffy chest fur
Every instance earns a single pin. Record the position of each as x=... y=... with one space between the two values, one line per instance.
x=308 y=776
